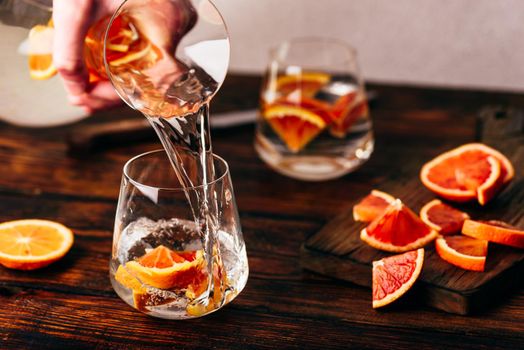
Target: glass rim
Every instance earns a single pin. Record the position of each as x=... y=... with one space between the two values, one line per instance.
x=312 y=40
x=136 y=183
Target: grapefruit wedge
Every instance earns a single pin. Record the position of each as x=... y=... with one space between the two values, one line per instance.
x=462 y=251
x=494 y=231
x=442 y=218
x=398 y=229
x=469 y=172
x=296 y=126
x=372 y=206
x=395 y=275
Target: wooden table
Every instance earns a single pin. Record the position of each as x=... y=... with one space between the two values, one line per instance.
x=71 y=304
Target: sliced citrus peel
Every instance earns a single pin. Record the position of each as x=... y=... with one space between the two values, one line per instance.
x=471 y=171
x=462 y=251
x=494 y=231
x=372 y=206
x=395 y=275
x=398 y=229
x=33 y=244
x=442 y=218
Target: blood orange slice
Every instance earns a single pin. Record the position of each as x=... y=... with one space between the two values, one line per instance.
x=395 y=275
x=372 y=206
x=307 y=83
x=464 y=252
x=442 y=218
x=356 y=107
x=494 y=231
x=296 y=126
x=398 y=229
x=470 y=171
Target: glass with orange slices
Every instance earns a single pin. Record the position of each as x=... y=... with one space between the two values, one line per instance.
x=159 y=263
x=314 y=121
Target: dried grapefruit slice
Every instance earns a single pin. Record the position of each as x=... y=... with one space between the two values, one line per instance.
x=372 y=206
x=464 y=252
x=32 y=244
x=165 y=269
x=442 y=218
x=296 y=126
x=395 y=275
x=398 y=229
x=40 y=52
x=470 y=171
x=494 y=231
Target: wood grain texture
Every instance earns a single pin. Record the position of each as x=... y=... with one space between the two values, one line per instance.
x=70 y=305
x=337 y=250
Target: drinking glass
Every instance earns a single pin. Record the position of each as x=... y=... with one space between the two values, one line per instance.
x=314 y=121
x=161 y=264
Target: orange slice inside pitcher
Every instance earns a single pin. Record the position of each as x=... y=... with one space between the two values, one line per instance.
x=32 y=244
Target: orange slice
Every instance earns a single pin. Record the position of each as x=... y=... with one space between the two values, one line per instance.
x=165 y=269
x=470 y=171
x=296 y=126
x=32 y=244
x=395 y=275
x=307 y=83
x=347 y=110
x=40 y=53
x=372 y=206
x=398 y=229
x=442 y=218
x=494 y=231
x=464 y=252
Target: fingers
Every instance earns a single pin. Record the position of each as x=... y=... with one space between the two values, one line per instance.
x=102 y=95
x=72 y=19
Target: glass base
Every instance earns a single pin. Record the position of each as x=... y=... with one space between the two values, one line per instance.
x=314 y=167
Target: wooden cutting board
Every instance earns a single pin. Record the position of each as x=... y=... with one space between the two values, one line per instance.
x=337 y=251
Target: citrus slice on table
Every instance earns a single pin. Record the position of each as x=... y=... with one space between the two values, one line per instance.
x=166 y=269
x=40 y=52
x=472 y=171
x=462 y=251
x=398 y=229
x=296 y=126
x=395 y=275
x=494 y=231
x=442 y=218
x=372 y=206
x=32 y=244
